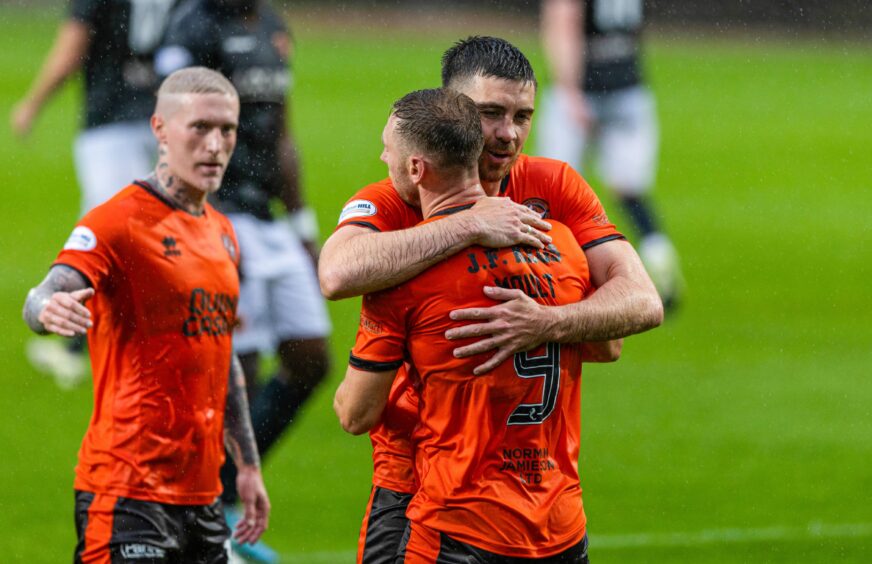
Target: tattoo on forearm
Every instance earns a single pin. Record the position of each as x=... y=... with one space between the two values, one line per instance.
x=59 y=279
x=238 y=433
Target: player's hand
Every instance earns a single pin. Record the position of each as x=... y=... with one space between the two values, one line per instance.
x=22 y=117
x=500 y=222
x=255 y=505
x=65 y=314
x=518 y=324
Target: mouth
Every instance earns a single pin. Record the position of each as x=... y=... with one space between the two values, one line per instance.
x=211 y=168
x=500 y=157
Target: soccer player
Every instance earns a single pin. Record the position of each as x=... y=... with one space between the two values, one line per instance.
x=599 y=99
x=379 y=244
x=281 y=309
x=157 y=266
x=496 y=453
x=113 y=43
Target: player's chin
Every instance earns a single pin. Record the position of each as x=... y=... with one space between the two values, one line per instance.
x=210 y=183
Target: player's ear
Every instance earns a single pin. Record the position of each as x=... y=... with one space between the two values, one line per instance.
x=417 y=167
x=157 y=127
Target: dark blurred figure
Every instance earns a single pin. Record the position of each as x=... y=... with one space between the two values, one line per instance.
x=598 y=98
x=113 y=42
x=281 y=309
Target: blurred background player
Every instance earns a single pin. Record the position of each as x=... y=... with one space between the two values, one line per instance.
x=521 y=505
x=158 y=267
x=599 y=98
x=281 y=309
x=113 y=42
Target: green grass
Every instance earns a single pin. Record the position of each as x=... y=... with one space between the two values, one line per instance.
x=748 y=411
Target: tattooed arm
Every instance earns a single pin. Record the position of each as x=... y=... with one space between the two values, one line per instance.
x=240 y=443
x=57 y=304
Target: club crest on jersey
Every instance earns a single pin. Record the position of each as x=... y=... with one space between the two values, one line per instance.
x=539 y=206
x=81 y=239
x=357 y=208
x=227 y=241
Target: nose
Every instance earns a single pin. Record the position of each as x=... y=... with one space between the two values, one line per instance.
x=506 y=132
x=213 y=141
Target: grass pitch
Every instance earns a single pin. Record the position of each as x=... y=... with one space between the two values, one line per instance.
x=740 y=431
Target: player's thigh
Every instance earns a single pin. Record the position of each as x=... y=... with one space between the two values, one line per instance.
x=207 y=537
x=383 y=526
x=423 y=545
x=558 y=136
x=628 y=141
x=298 y=309
x=121 y=530
x=110 y=157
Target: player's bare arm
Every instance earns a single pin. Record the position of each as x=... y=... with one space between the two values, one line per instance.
x=64 y=59
x=361 y=398
x=561 y=25
x=624 y=304
x=240 y=443
x=57 y=304
x=356 y=260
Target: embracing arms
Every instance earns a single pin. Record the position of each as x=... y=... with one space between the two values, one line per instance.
x=625 y=303
x=356 y=260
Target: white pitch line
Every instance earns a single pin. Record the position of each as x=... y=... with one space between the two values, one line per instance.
x=730 y=536
x=639 y=540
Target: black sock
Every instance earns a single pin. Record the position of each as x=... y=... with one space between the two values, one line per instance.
x=641 y=214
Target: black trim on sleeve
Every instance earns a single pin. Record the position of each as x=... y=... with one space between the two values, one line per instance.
x=601 y=240
x=455 y=209
x=82 y=274
x=370 y=366
x=366 y=224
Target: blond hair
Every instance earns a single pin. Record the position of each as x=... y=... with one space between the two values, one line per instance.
x=196 y=80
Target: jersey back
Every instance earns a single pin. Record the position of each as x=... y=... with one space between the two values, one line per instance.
x=166 y=289
x=497 y=454
x=548 y=186
x=120 y=80
x=252 y=50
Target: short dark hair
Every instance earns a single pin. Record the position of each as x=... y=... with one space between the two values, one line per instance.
x=485 y=56
x=443 y=123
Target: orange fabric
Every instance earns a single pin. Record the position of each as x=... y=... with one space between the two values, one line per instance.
x=164 y=309
x=551 y=187
x=424 y=545
x=98 y=531
x=361 y=540
x=497 y=454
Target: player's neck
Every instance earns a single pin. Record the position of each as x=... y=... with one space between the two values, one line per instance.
x=491 y=188
x=439 y=198
x=186 y=197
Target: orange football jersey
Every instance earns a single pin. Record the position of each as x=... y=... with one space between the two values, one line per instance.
x=497 y=454
x=166 y=288
x=548 y=186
